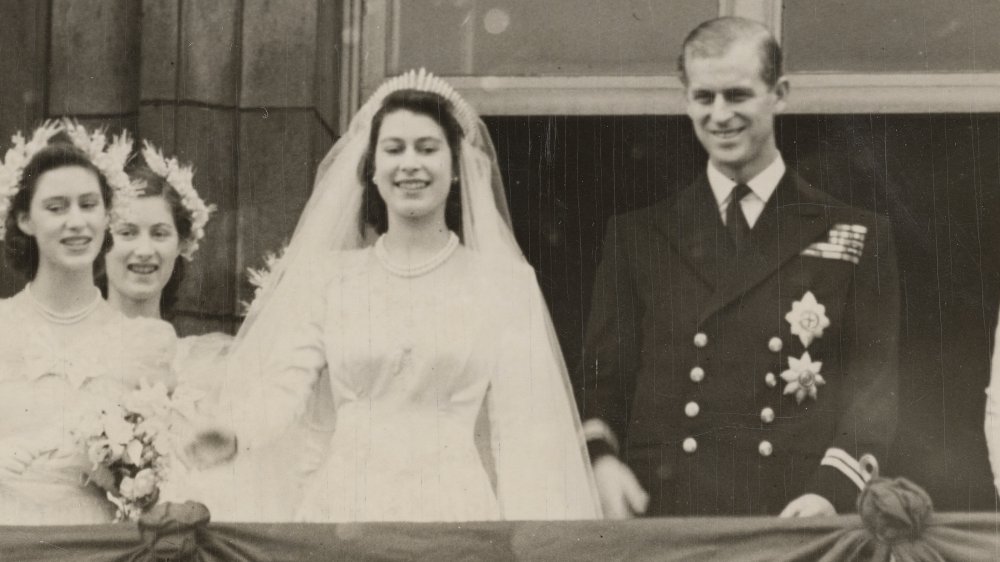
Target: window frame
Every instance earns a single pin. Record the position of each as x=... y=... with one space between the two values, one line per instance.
x=367 y=23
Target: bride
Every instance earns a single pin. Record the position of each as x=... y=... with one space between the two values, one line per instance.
x=441 y=314
x=61 y=345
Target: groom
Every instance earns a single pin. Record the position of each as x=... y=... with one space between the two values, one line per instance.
x=741 y=352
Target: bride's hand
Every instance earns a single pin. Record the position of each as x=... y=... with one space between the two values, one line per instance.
x=210 y=446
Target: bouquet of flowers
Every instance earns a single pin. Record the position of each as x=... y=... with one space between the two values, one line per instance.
x=127 y=444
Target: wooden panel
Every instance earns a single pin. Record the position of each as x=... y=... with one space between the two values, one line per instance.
x=326 y=95
x=322 y=141
x=275 y=178
x=23 y=35
x=210 y=51
x=188 y=324
x=892 y=36
x=160 y=28
x=207 y=139
x=157 y=124
x=551 y=38
x=279 y=53
x=94 y=66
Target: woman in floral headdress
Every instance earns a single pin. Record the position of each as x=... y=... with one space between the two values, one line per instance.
x=159 y=225
x=158 y=228
x=62 y=347
x=440 y=315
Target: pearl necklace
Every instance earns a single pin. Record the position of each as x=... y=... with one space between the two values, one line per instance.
x=63 y=317
x=420 y=269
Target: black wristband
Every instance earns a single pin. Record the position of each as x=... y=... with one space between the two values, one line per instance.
x=598 y=448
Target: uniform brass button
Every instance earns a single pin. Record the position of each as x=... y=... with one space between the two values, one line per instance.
x=697 y=374
x=767 y=415
x=700 y=339
x=690 y=445
x=770 y=380
x=775 y=344
x=691 y=409
x=765 y=448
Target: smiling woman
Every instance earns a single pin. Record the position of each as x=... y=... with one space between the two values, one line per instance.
x=62 y=347
x=411 y=167
x=143 y=272
x=440 y=324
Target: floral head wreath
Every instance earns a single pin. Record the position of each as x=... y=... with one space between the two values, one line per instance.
x=424 y=81
x=109 y=157
x=179 y=178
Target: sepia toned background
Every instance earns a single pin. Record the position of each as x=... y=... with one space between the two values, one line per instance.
x=894 y=107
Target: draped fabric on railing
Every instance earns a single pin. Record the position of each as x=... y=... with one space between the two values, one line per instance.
x=843 y=538
x=246 y=90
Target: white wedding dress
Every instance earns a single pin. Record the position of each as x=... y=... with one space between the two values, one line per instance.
x=264 y=485
x=992 y=419
x=411 y=360
x=49 y=373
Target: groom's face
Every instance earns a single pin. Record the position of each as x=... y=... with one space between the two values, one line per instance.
x=733 y=109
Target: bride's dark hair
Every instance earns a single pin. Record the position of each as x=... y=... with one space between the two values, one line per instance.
x=373 y=209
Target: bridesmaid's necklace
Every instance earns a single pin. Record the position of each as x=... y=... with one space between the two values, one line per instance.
x=63 y=317
x=421 y=268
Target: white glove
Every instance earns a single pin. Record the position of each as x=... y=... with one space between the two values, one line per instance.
x=210 y=446
x=621 y=495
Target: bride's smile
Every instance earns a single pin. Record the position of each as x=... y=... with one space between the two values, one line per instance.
x=413 y=166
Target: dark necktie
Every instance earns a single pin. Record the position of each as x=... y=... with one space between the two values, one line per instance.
x=736 y=221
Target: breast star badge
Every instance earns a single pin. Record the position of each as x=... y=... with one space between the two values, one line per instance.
x=807 y=318
x=802 y=377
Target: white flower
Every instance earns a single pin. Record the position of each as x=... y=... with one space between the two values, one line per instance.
x=803 y=377
x=127 y=488
x=99 y=452
x=133 y=452
x=87 y=426
x=116 y=429
x=144 y=483
x=151 y=401
x=807 y=318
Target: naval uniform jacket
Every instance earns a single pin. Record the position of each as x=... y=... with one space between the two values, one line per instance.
x=690 y=354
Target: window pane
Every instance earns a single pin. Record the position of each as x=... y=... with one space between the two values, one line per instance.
x=892 y=35
x=542 y=38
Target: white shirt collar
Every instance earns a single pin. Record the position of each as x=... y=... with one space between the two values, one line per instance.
x=762 y=185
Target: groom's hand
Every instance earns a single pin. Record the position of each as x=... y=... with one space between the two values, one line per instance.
x=621 y=495
x=210 y=446
x=809 y=505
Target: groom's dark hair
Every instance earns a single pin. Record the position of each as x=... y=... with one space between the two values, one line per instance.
x=373 y=209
